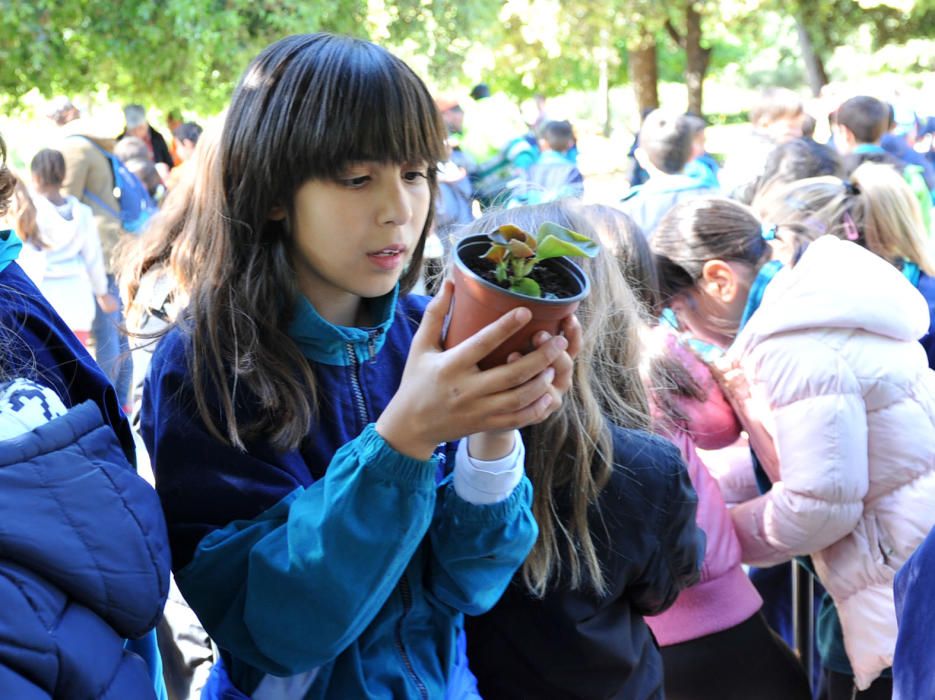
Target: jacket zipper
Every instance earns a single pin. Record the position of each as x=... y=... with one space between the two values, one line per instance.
x=407 y=606
x=404 y=591
x=355 y=387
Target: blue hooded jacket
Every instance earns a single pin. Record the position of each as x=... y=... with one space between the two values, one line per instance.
x=84 y=558
x=340 y=569
x=84 y=564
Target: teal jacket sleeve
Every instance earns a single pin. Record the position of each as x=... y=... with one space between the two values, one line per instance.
x=476 y=549
x=290 y=589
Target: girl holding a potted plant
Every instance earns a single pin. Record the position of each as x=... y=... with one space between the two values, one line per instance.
x=301 y=410
x=616 y=512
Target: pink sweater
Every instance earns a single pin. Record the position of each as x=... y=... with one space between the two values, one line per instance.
x=724 y=596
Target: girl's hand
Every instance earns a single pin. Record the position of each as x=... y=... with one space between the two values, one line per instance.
x=108 y=303
x=444 y=396
x=564 y=366
x=498 y=443
x=750 y=412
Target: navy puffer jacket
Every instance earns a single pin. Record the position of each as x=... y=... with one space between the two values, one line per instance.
x=84 y=562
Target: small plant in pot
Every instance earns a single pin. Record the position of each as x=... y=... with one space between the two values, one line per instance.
x=494 y=273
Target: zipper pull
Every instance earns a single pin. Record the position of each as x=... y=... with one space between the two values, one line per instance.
x=372 y=344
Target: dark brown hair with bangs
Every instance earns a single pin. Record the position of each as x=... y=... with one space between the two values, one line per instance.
x=703 y=229
x=306 y=107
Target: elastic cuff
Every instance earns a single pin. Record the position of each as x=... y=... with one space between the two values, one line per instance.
x=484 y=482
x=466 y=514
x=384 y=460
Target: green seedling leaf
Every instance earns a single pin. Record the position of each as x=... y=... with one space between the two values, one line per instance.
x=557 y=241
x=519 y=249
x=509 y=232
x=526 y=286
x=495 y=253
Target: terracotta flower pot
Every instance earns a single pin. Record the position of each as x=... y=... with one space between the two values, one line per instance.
x=477 y=302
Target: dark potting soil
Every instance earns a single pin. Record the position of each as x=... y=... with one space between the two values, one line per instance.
x=555 y=284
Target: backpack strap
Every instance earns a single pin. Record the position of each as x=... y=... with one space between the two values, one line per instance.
x=87 y=193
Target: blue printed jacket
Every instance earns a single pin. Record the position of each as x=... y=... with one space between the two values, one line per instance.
x=340 y=569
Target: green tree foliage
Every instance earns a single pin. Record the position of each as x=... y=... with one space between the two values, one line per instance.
x=189 y=53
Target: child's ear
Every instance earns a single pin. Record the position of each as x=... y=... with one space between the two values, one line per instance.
x=720 y=280
x=843 y=136
x=277 y=214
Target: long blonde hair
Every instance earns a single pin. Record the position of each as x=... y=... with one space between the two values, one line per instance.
x=571 y=453
x=876 y=209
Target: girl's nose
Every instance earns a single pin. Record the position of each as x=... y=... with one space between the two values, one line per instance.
x=397 y=207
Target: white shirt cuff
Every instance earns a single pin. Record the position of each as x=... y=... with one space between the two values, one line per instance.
x=484 y=482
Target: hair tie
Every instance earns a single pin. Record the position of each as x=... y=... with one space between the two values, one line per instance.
x=768 y=232
x=850 y=188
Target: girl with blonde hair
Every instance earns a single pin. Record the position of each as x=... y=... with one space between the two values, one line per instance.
x=875 y=209
x=615 y=507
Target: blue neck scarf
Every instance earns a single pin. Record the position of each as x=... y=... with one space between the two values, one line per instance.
x=9 y=247
x=868 y=149
x=911 y=272
x=762 y=280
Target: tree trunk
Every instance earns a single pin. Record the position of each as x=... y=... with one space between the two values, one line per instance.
x=603 y=80
x=817 y=77
x=644 y=73
x=697 y=58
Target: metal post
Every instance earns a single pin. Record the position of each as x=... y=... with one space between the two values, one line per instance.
x=803 y=616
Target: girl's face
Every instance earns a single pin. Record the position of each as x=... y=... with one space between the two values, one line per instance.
x=711 y=310
x=785 y=128
x=354 y=236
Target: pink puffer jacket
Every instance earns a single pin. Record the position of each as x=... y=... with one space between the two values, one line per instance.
x=841 y=387
x=724 y=596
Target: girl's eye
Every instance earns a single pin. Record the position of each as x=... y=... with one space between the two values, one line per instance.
x=414 y=175
x=358 y=181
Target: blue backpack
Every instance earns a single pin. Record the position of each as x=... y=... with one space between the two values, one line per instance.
x=136 y=204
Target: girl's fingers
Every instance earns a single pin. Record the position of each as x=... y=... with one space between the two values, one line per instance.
x=571 y=329
x=564 y=368
x=490 y=337
x=520 y=397
x=429 y=334
x=536 y=412
x=518 y=372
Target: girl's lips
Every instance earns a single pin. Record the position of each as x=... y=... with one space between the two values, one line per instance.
x=395 y=248
x=388 y=258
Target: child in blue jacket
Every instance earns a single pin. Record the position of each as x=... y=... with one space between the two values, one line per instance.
x=297 y=414
x=84 y=561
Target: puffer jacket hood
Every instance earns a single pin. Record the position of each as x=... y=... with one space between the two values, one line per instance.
x=76 y=514
x=838 y=284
